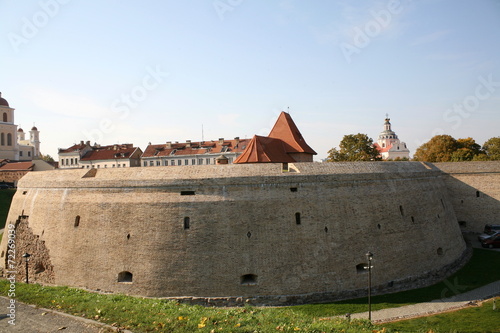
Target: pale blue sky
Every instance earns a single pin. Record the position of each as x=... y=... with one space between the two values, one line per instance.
x=232 y=65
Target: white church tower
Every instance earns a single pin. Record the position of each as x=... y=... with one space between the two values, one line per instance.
x=389 y=145
x=35 y=141
x=13 y=145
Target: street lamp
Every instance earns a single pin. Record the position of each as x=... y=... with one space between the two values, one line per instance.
x=369 y=257
x=26 y=257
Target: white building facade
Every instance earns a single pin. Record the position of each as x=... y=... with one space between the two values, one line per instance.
x=389 y=145
x=13 y=144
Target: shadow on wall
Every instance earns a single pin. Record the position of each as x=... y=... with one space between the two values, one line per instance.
x=474 y=193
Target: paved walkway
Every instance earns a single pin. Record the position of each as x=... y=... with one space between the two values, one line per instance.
x=437 y=306
x=30 y=319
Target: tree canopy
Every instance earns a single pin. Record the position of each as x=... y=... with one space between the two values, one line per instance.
x=444 y=148
x=354 y=147
x=492 y=149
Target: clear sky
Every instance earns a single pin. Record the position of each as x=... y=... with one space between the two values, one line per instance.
x=123 y=71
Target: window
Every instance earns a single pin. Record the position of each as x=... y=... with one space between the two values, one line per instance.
x=165 y=162
x=187 y=221
x=123 y=165
x=440 y=251
x=5 y=117
x=151 y=163
x=172 y=162
x=401 y=210
x=478 y=194
x=145 y=163
x=9 y=139
x=21 y=153
x=297 y=218
x=293 y=189
x=125 y=277
x=158 y=163
x=193 y=161
x=186 y=162
x=77 y=221
x=208 y=161
x=2 y=139
x=188 y=193
x=179 y=162
x=362 y=268
x=248 y=279
x=200 y=161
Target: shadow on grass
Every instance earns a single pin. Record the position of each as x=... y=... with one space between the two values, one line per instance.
x=479 y=271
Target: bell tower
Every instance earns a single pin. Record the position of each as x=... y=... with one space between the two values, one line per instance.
x=35 y=141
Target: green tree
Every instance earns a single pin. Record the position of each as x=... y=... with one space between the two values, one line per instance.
x=467 y=150
x=354 y=147
x=438 y=149
x=492 y=148
x=47 y=158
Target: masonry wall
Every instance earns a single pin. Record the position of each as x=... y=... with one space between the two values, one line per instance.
x=474 y=189
x=240 y=231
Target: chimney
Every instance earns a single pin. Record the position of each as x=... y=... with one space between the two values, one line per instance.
x=221 y=141
x=188 y=143
x=169 y=145
x=236 y=140
x=81 y=142
x=87 y=143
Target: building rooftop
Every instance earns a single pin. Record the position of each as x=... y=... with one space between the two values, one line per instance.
x=283 y=140
x=112 y=152
x=196 y=148
x=3 y=101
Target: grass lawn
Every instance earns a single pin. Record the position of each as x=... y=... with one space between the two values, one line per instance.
x=475 y=319
x=147 y=315
x=478 y=272
x=5 y=199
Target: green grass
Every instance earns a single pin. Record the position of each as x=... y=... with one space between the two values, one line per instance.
x=478 y=272
x=5 y=199
x=149 y=315
x=474 y=319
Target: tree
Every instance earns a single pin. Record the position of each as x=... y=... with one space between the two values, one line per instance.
x=438 y=149
x=47 y=158
x=467 y=150
x=492 y=148
x=354 y=147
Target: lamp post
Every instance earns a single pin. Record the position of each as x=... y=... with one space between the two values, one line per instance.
x=26 y=257
x=369 y=257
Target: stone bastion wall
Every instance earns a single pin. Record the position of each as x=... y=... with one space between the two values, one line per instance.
x=474 y=189
x=227 y=234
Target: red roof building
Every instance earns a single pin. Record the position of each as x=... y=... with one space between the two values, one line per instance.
x=192 y=153
x=113 y=156
x=284 y=144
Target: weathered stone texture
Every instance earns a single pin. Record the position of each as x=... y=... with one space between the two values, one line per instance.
x=299 y=234
x=474 y=189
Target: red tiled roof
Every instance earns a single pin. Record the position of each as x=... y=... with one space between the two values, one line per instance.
x=286 y=130
x=72 y=148
x=283 y=140
x=196 y=148
x=114 y=152
x=380 y=149
x=263 y=149
x=17 y=166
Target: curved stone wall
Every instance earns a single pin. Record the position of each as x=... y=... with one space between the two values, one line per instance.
x=240 y=231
